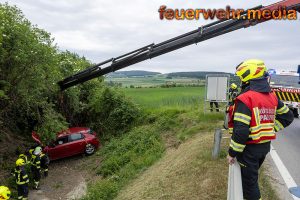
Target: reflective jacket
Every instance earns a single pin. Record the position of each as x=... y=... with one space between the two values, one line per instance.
x=21 y=176
x=36 y=161
x=44 y=161
x=262 y=120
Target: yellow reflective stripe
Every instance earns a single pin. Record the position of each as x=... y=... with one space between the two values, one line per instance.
x=288 y=96
x=261 y=126
x=278 y=125
x=282 y=110
x=261 y=134
x=279 y=95
x=293 y=98
x=26 y=176
x=283 y=96
x=243 y=115
x=256 y=115
x=21 y=182
x=236 y=146
x=242 y=118
x=264 y=141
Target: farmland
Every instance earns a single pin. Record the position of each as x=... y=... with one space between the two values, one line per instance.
x=152 y=81
x=176 y=97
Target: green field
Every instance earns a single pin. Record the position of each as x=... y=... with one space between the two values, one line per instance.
x=153 y=81
x=180 y=98
x=177 y=97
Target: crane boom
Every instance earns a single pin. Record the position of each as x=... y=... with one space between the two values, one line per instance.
x=153 y=50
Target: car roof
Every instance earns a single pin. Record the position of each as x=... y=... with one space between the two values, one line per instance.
x=71 y=131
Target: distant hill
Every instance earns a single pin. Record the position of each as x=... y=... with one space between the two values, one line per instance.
x=133 y=73
x=196 y=74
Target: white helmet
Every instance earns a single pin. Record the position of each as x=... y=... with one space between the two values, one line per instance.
x=37 y=151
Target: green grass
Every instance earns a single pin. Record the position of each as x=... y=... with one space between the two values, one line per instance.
x=164 y=98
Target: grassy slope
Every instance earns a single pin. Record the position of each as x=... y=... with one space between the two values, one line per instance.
x=187 y=173
x=186 y=170
x=183 y=173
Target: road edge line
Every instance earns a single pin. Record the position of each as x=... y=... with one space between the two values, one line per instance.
x=288 y=179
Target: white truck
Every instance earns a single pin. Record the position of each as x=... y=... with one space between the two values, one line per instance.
x=286 y=87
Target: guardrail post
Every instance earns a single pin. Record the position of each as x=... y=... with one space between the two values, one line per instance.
x=217 y=143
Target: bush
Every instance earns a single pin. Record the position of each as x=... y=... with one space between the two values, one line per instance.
x=111 y=112
x=51 y=124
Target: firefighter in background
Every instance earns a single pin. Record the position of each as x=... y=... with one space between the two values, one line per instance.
x=211 y=103
x=36 y=166
x=233 y=93
x=4 y=193
x=23 y=156
x=45 y=163
x=22 y=179
x=257 y=115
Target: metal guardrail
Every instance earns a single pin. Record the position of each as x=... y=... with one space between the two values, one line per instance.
x=217 y=143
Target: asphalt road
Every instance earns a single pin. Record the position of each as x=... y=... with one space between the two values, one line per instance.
x=287 y=146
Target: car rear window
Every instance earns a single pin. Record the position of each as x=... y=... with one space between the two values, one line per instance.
x=76 y=136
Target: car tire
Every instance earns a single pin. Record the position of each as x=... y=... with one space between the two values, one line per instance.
x=89 y=149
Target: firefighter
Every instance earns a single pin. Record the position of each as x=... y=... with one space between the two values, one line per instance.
x=45 y=163
x=233 y=93
x=257 y=115
x=36 y=166
x=22 y=179
x=211 y=103
x=4 y=193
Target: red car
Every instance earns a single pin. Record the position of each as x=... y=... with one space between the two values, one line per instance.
x=73 y=141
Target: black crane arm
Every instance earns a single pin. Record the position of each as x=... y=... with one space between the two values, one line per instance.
x=153 y=50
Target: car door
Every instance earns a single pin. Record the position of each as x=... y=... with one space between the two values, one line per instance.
x=59 y=149
x=76 y=143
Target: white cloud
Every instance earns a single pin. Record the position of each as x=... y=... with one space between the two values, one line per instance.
x=102 y=29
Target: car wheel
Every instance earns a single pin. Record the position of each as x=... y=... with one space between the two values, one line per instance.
x=89 y=149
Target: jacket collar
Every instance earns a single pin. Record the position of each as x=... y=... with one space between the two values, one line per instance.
x=257 y=85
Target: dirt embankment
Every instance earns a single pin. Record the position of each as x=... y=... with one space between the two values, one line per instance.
x=66 y=181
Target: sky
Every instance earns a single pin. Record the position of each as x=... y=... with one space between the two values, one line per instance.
x=102 y=29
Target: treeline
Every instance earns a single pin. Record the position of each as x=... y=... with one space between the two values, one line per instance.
x=199 y=74
x=132 y=73
x=30 y=66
